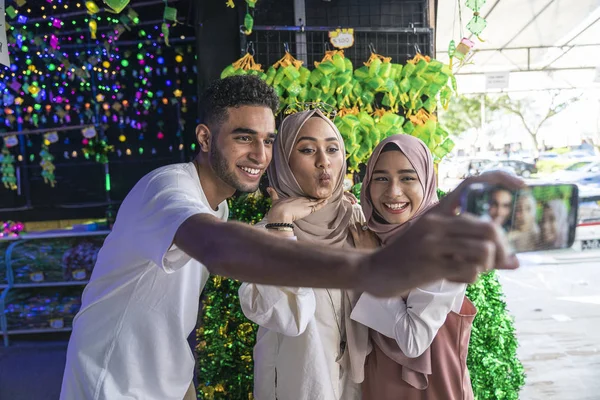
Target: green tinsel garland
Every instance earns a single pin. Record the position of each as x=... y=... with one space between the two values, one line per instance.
x=496 y=372
x=226 y=338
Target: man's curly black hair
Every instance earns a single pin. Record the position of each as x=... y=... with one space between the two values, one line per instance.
x=233 y=92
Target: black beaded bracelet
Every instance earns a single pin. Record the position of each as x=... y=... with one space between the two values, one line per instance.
x=279 y=225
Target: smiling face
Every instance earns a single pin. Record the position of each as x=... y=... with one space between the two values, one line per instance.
x=316 y=159
x=395 y=189
x=243 y=147
x=524 y=213
x=501 y=206
x=549 y=226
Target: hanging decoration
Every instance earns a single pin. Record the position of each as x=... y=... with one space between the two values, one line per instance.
x=11 y=228
x=116 y=6
x=170 y=14
x=98 y=149
x=7 y=167
x=245 y=65
x=248 y=24
x=89 y=132
x=249 y=3
x=46 y=162
x=92 y=7
x=93 y=28
x=374 y=101
x=289 y=79
x=477 y=24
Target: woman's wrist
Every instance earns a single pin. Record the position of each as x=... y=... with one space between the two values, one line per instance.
x=277 y=217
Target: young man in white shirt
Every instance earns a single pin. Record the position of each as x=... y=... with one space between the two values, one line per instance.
x=129 y=339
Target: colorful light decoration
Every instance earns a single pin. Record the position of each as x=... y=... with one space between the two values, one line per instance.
x=11 y=228
x=61 y=76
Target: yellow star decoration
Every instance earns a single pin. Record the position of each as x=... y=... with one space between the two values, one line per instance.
x=230 y=4
x=177 y=93
x=100 y=98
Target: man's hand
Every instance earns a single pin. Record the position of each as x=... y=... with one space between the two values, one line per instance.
x=442 y=245
x=363 y=237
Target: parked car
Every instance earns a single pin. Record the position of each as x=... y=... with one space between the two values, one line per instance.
x=576 y=171
x=590 y=180
x=587 y=235
x=500 y=167
x=477 y=166
x=521 y=168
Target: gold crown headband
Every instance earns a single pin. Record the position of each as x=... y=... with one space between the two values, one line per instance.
x=325 y=108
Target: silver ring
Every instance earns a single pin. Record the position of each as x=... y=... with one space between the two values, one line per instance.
x=365 y=227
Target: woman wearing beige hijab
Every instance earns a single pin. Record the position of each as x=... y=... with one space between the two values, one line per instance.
x=420 y=340
x=301 y=351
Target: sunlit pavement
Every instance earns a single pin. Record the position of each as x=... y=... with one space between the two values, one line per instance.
x=555 y=299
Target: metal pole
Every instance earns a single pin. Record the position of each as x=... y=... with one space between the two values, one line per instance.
x=332 y=28
x=300 y=18
x=45 y=130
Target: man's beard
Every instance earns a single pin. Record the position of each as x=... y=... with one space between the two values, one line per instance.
x=220 y=166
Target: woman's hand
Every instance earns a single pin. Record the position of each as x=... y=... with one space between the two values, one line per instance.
x=364 y=238
x=293 y=208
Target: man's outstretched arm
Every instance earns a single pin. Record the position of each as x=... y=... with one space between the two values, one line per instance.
x=440 y=245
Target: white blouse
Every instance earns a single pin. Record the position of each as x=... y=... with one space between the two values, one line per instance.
x=297 y=354
x=413 y=323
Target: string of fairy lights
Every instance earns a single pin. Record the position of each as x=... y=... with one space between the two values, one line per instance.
x=122 y=81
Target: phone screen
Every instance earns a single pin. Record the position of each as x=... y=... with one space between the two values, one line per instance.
x=539 y=217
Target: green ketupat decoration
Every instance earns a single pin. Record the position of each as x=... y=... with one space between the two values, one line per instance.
x=46 y=162
x=244 y=66
x=248 y=24
x=290 y=81
x=7 y=167
x=332 y=80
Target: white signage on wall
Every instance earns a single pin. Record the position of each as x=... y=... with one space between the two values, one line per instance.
x=4 y=59
x=497 y=80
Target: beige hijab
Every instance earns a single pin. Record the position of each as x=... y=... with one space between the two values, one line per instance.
x=329 y=225
x=415 y=370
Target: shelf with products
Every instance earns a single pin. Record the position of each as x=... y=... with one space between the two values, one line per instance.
x=42 y=276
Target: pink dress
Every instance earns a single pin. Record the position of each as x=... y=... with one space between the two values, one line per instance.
x=440 y=373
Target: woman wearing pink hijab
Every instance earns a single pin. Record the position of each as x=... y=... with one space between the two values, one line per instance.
x=420 y=340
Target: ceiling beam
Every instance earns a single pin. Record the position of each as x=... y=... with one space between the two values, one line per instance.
x=529 y=70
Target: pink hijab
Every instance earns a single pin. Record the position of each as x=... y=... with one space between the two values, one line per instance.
x=415 y=371
x=420 y=157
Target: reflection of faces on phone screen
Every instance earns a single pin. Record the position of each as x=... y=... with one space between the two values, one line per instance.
x=554 y=224
x=524 y=213
x=500 y=206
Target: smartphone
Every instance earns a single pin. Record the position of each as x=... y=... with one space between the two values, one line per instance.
x=535 y=218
